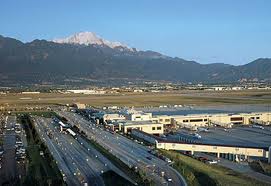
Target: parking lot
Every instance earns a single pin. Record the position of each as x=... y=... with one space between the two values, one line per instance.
x=13 y=157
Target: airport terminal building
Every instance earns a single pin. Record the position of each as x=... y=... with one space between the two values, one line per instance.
x=224 y=120
x=156 y=124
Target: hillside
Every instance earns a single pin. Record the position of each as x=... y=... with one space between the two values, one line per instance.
x=42 y=61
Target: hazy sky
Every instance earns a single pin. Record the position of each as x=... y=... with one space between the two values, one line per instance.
x=208 y=31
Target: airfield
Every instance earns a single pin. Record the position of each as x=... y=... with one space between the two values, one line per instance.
x=145 y=99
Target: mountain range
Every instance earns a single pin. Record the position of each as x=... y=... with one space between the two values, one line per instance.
x=90 y=38
x=87 y=58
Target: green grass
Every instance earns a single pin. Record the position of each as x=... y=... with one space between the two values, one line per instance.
x=255 y=165
x=42 y=170
x=46 y=114
x=199 y=173
x=266 y=167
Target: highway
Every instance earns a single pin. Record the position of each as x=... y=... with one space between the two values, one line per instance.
x=63 y=161
x=78 y=161
x=71 y=159
x=131 y=153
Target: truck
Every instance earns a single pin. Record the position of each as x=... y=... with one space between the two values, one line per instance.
x=71 y=132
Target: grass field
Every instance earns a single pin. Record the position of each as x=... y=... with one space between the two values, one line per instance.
x=140 y=99
x=199 y=173
x=267 y=168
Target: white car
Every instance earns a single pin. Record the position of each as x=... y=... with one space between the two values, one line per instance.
x=212 y=162
x=168 y=160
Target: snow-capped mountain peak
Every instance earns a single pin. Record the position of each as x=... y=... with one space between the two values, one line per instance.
x=89 y=38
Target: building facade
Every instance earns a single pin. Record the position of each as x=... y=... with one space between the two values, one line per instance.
x=148 y=127
x=201 y=120
x=140 y=117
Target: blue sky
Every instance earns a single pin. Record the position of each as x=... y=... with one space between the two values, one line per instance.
x=209 y=31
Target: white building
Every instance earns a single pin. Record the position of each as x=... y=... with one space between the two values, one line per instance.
x=113 y=116
x=30 y=92
x=237 y=88
x=140 y=117
x=145 y=126
x=86 y=91
x=199 y=120
x=218 y=88
x=138 y=90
